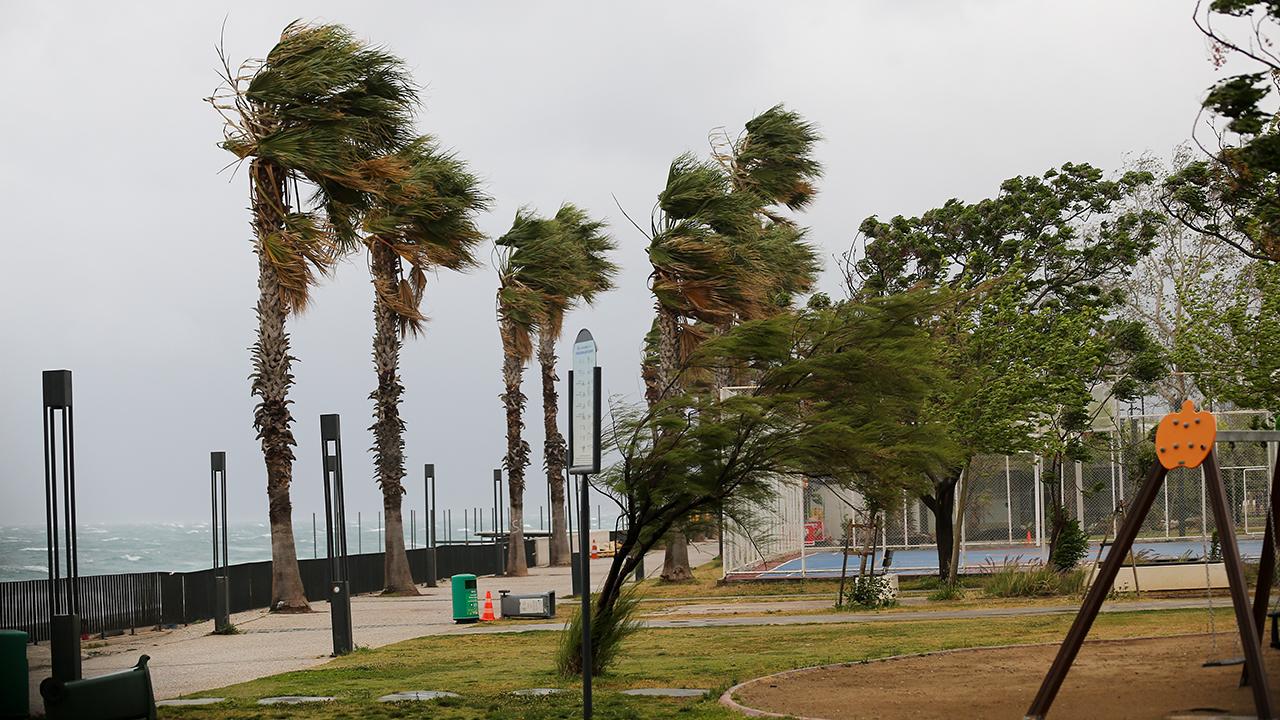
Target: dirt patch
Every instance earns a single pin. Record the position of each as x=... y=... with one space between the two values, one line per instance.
x=1126 y=679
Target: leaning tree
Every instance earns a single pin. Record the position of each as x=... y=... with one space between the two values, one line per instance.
x=837 y=397
x=723 y=252
x=423 y=219
x=311 y=118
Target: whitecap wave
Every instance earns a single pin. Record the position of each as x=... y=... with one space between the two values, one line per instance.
x=131 y=558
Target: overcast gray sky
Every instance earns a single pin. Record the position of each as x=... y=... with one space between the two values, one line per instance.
x=128 y=257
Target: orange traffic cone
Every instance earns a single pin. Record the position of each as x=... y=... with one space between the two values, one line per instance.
x=1029 y=540
x=595 y=551
x=488 y=607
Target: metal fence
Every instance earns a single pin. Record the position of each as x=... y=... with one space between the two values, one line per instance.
x=138 y=600
x=800 y=532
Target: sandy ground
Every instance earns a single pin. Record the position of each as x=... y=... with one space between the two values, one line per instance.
x=1133 y=680
x=190 y=659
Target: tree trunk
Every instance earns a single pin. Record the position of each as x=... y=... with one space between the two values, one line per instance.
x=957 y=529
x=388 y=427
x=271 y=380
x=675 y=562
x=517 y=458
x=942 y=504
x=553 y=449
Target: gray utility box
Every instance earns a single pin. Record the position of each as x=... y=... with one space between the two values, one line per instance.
x=542 y=605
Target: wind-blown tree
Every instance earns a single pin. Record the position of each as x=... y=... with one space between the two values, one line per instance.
x=1234 y=346
x=1233 y=195
x=1017 y=266
x=424 y=219
x=541 y=268
x=310 y=118
x=722 y=251
x=838 y=397
x=594 y=273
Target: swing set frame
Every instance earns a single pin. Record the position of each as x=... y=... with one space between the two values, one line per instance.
x=1251 y=621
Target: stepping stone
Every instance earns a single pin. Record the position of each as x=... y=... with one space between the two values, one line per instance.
x=538 y=692
x=667 y=692
x=417 y=695
x=294 y=699
x=187 y=702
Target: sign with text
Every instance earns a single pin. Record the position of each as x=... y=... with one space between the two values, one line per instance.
x=584 y=406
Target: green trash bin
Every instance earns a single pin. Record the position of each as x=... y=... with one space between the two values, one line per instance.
x=13 y=675
x=466 y=599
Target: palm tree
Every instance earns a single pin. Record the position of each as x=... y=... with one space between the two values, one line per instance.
x=424 y=219
x=595 y=274
x=543 y=269
x=722 y=252
x=311 y=115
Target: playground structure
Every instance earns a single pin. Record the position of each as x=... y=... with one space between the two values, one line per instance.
x=1185 y=439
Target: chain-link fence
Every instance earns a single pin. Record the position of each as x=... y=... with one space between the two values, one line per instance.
x=805 y=529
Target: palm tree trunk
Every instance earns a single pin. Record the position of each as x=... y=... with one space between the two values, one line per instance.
x=517 y=458
x=675 y=560
x=271 y=380
x=553 y=448
x=388 y=428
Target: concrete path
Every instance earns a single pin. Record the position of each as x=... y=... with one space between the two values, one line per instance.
x=190 y=659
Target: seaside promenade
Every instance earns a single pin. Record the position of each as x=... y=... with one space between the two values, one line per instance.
x=190 y=659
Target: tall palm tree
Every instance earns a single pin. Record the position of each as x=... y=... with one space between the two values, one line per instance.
x=722 y=252
x=423 y=219
x=594 y=274
x=541 y=271
x=310 y=116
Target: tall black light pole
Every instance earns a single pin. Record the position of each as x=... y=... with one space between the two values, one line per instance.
x=218 y=499
x=429 y=520
x=335 y=512
x=584 y=460
x=64 y=592
x=501 y=567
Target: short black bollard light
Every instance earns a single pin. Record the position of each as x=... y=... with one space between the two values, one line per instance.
x=336 y=535
x=221 y=584
x=64 y=591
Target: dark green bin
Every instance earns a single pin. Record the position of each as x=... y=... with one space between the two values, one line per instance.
x=13 y=675
x=466 y=599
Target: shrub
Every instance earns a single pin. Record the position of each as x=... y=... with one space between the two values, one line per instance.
x=946 y=592
x=1072 y=546
x=1012 y=580
x=870 y=591
x=607 y=633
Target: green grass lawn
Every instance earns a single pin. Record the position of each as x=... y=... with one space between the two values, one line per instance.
x=485 y=668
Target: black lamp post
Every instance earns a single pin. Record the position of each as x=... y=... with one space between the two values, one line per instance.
x=429 y=520
x=336 y=517
x=501 y=567
x=64 y=591
x=221 y=589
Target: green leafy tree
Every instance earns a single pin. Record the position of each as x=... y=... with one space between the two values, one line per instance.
x=1235 y=346
x=423 y=220
x=838 y=397
x=1232 y=195
x=1018 y=268
x=311 y=119
x=545 y=266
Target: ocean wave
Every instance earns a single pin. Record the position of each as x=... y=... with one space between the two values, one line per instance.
x=35 y=549
x=110 y=539
x=131 y=558
x=34 y=568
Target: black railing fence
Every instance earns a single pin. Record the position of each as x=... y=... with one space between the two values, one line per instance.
x=139 y=600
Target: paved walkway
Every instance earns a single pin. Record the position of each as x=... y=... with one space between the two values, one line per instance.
x=190 y=659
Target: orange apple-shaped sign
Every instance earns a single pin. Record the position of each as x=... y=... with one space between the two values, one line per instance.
x=1184 y=438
